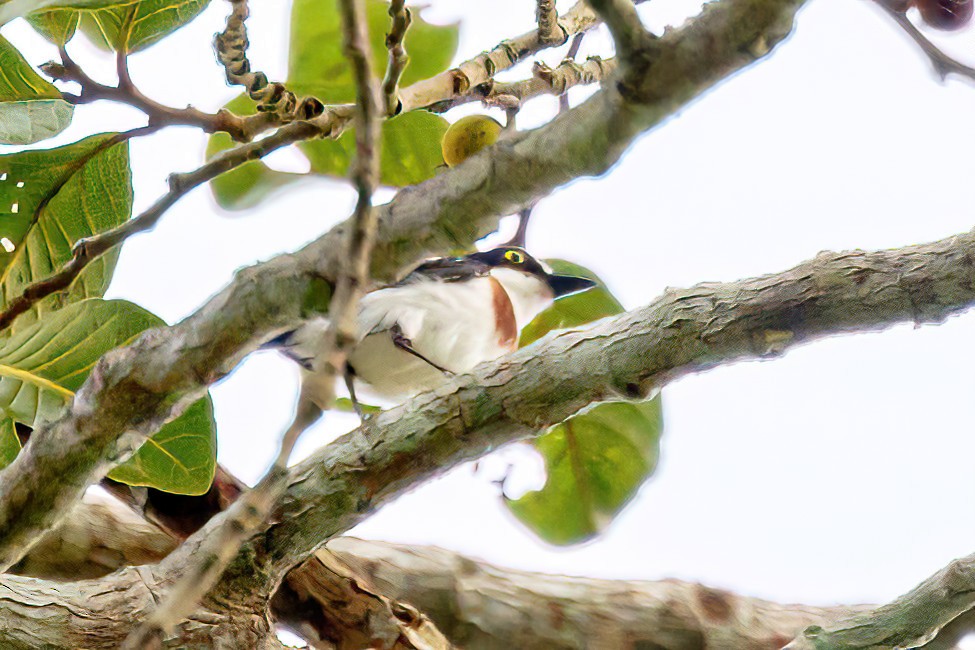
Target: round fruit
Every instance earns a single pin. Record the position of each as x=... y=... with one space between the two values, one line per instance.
x=946 y=14
x=467 y=136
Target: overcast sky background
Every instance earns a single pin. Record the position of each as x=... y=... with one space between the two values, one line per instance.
x=839 y=473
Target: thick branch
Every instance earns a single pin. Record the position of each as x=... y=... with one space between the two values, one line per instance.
x=133 y=390
x=627 y=357
x=480 y=606
x=908 y=622
x=342 y=595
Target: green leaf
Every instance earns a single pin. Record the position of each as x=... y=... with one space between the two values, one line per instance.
x=49 y=199
x=9 y=442
x=596 y=461
x=410 y=149
x=180 y=458
x=10 y=9
x=572 y=311
x=42 y=366
x=317 y=64
x=31 y=109
x=120 y=25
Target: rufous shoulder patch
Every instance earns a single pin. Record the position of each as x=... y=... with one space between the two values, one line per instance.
x=504 y=316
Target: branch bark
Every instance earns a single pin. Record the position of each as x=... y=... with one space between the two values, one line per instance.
x=483 y=607
x=627 y=357
x=911 y=621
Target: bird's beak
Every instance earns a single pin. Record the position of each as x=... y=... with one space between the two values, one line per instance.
x=563 y=285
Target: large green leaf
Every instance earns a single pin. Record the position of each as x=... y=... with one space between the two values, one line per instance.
x=572 y=311
x=43 y=365
x=121 y=25
x=180 y=458
x=31 y=109
x=596 y=461
x=410 y=150
x=10 y=9
x=49 y=199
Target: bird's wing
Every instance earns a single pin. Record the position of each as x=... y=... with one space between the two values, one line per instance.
x=446 y=269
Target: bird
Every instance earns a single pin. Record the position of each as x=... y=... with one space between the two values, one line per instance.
x=443 y=318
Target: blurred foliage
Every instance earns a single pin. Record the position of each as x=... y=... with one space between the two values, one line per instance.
x=410 y=148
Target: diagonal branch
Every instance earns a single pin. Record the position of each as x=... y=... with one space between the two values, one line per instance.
x=628 y=357
x=910 y=621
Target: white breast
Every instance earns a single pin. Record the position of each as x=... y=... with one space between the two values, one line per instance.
x=450 y=323
x=453 y=324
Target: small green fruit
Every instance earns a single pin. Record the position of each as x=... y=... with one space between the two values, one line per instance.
x=467 y=136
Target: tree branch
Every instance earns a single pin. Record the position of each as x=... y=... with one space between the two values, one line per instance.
x=544 y=81
x=626 y=357
x=549 y=30
x=943 y=64
x=133 y=390
x=239 y=128
x=624 y=24
x=275 y=103
x=908 y=622
x=398 y=58
x=342 y=596
x=482 y=68
x=482 y=606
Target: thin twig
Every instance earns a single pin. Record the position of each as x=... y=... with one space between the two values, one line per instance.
x=943 y=64
x=239 y=128
x=624 y=24
x=550 y=31
x=544 y=81
x=251 y=511
x=275 y=102
x=88 y=249
x=570 y=56
x=354 y=273
x=520 y=236
x=398 y=58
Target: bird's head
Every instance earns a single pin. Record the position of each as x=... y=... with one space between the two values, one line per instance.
x=531 y=285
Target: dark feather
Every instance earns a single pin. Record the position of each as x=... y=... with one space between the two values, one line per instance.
x=447 y=269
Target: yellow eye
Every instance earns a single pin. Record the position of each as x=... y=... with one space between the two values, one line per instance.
x=514 y=257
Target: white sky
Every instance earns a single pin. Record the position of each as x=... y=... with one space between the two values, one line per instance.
x=840 y=473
